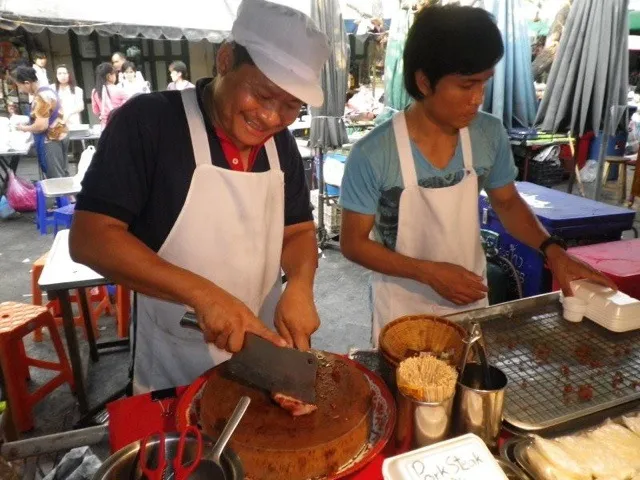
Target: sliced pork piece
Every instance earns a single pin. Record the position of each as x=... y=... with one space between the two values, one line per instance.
x=294 y=406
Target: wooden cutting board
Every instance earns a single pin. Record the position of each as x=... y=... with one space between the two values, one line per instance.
x=274 y=445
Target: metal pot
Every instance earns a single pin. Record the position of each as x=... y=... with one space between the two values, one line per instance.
x=123 y=465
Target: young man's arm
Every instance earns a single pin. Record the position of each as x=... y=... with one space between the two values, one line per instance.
x=518 y=219
x=452 y=282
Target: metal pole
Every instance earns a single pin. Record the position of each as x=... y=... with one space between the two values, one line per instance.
x=322 y=232
x=57 y=442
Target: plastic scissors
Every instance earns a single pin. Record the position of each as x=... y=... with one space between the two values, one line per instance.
x=181 y=471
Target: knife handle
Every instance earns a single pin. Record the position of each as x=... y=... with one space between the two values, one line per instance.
x=189 y=320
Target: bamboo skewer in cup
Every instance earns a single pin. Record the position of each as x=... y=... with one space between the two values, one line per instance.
x=426 y=387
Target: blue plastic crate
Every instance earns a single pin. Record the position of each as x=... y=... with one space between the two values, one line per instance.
x=577 y=220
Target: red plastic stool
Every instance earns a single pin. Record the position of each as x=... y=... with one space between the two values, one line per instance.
x=17 y=320
x=97 y=295
x=620 y=261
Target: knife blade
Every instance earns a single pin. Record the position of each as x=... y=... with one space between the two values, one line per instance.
x=264 y=365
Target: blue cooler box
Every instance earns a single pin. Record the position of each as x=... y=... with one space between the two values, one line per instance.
x=577 y=220
x=331 y=189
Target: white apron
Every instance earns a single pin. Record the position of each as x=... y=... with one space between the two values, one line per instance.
x=435 y=224
x=229 y=231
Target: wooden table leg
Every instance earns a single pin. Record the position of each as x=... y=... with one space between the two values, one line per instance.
x=88 y=324
x=74 y=350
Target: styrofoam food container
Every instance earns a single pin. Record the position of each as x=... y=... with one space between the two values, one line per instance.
x=573 y=309
x=461 y=458
x=615 y=311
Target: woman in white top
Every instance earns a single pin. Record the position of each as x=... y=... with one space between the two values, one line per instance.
x=178 y=73
x=131 y=82
x=70 y=95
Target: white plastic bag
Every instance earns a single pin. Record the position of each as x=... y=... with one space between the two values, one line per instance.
x=589 y=172
x=83 y=164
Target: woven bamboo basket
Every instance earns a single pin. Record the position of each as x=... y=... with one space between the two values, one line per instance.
x=421 y=333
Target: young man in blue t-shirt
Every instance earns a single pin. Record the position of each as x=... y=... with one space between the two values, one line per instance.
x=410 y=187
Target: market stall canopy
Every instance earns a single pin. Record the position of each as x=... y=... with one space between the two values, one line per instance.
x=192 y=19
x=590 y=72
x=510 y=95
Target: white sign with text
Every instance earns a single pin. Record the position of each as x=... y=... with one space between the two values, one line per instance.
x=461 y=458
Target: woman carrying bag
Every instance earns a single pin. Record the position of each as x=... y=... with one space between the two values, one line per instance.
x=48 y=130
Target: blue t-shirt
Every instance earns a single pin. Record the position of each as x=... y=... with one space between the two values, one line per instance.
x=372 y=181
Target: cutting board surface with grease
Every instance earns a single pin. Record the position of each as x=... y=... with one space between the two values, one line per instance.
x=272 y=443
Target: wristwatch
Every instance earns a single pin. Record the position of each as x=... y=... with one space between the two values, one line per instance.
x=552 y=240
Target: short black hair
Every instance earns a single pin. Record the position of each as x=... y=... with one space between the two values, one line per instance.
x=179 y=67
x=39 y=55
x=450 y=39
x=241 y=56
x=22 y=74
x=129 y=65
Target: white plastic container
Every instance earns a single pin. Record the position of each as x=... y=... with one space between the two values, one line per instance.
x=461 y=458
x=573 y=309
x=615 y=311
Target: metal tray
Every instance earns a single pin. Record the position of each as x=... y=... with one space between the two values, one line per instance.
x=515 y=450
x=541 y=353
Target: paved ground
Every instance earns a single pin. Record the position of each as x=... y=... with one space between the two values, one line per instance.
x=341 y=293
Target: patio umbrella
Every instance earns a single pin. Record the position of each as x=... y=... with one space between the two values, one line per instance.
x=396 y=97
x=510 y=95
x=327 y=125
x=589 y=74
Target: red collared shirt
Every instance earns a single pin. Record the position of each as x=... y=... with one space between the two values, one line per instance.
x=232 y=154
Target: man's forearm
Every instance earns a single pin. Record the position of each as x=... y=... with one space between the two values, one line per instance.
x=375 y=256
x=300 y=255
x=520 y=222
x=122 y=258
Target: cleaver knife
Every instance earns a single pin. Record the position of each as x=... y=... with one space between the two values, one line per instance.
x=264 y=365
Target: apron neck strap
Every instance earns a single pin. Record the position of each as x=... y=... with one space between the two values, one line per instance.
x=197 y=130
x=407 y=164
x=272 y=155
x=467 y=154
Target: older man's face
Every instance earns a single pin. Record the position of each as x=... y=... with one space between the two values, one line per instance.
x=117 y=62
x=250 y=106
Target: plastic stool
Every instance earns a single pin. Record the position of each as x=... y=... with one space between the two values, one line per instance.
x=17 y=320
x=44 y=217
x=621 y=184
x=99 y=295
x=63 y=217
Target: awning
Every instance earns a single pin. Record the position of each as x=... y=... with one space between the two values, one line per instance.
x=192 y=19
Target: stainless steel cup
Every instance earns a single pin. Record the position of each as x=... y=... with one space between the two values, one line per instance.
x=421 y=423
x=479 y=407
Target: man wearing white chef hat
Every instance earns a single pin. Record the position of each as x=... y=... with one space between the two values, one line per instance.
x=197 y=199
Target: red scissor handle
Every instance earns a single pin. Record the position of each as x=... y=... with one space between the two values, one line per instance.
x=155 y=473
x=183 y=471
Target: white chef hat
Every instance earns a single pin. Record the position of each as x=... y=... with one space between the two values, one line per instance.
x=286 y=45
